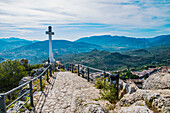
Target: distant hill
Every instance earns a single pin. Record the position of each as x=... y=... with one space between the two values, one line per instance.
x=160 y=54
x=119 y=61
x=163 y=40
x=36 y=52
x=105 y=60
x=1 y=59
x=11 y=43
x=125 y=43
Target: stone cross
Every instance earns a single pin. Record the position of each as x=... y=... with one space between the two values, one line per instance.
x=50 y=33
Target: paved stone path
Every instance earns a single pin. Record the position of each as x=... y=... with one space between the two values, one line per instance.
x=68 y=93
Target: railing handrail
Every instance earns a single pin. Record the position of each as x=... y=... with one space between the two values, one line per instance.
x=111 y=78
x=24 y=84
x=95 y=69
x=3 y=106
x=92 y=68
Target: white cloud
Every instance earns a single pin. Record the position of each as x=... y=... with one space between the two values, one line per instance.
x=37 y=14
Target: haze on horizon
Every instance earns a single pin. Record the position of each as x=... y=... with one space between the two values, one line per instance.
x=73 y=19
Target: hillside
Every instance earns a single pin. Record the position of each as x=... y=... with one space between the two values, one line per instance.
x=116 y=61
x=11 y=43
x=105 y=60
x=38 y=51
x=160 y=40
x=125 y=43
x=157 y=53
x=1 y=59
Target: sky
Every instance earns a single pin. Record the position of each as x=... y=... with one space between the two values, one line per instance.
x=73 y=19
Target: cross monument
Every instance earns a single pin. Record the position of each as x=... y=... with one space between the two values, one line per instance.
x=50 y=33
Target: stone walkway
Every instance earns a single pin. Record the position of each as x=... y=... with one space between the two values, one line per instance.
x=68 y=93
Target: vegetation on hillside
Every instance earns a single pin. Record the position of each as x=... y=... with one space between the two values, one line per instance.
x=36 y=52
x=12 y=71
x=156 y=56
x=125 y=43
x=107 y=90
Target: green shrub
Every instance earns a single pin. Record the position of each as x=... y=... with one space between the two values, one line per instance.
x=11 y=72
x=28 y=106
x=107 y=92
x=99 y=84
x=62 y=70
x=149 y=104
x=96 y=99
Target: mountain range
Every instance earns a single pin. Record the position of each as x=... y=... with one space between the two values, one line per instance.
x=36 y=51
x=120 y=61
x=11 y=43
x=125 y=43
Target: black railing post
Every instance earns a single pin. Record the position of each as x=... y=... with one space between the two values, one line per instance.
x=54 y=68
x=88 y=78
x=117 y=83
x=69 y=67
x=50 y=70
x=41 y=83
x=47 y=76
x=2 y=104
x=78 y=70
x=109 y=78
x=104 y=77
x=72 y=68
x=31 y=93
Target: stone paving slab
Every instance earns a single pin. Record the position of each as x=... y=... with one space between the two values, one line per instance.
x=68 y=93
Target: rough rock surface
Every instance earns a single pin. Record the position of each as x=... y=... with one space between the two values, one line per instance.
x=126 y=88
x=138 y=107
x=23 y=90
x=158 y=81
x=38 y=71
x=68 y=93
x=17 y=105
x=160 y=99
x=25 y=79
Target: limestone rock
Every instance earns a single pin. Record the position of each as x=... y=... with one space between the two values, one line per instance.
x=25 y=79
x=126 y=88
x=17 y=105
x=156 y=99
x=39 y=71
x=137 y=107
x=158 y=81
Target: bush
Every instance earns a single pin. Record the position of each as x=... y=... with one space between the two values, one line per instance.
x=11 y=72
x=99 y=84
x=107 y=92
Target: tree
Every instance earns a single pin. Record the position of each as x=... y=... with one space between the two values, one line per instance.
x=24 y=62
x=11 y=72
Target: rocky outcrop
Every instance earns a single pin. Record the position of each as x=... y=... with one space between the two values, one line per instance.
x=138 y=107
x=38 y=71
x=126 y=88
x=25 y=79
x=17 y=106
x=158 y=81
x=24 y=89
x=156 y=99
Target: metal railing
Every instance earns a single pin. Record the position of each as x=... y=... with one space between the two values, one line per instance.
x=4 y=107
x=111 y=77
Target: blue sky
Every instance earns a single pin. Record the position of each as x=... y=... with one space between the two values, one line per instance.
x=73 y=19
